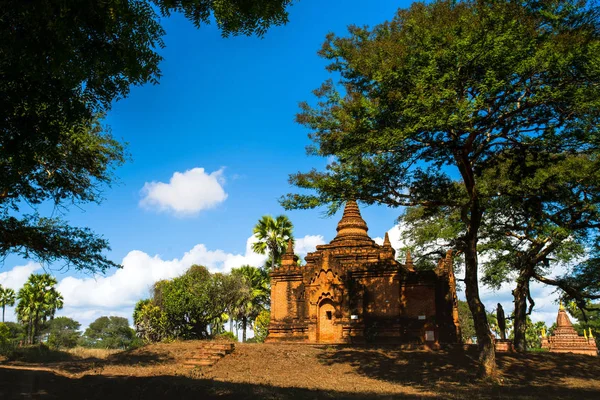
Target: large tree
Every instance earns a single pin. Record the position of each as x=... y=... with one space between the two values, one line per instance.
x=63 y=332
x=444 y=92
x=38 y=302
x=63 y=64
x=109 y=333
x=546 y=221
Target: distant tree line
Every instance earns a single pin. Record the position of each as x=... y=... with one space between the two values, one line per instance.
x=36 y=304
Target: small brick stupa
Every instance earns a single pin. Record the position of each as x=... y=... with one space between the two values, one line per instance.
x=565 y=338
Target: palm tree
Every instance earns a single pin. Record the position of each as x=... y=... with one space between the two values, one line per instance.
x=38 y=301
x=273 y=236
x=254 y=296
x=7 y=298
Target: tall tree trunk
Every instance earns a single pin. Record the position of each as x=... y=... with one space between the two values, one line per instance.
x=35 y=327
x=29 y=332
x=485 y=341
x=520 y=294
x=3 y=308
x=244 y=325
x=471 y=217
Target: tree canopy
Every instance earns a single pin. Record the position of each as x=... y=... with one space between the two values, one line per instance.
x=38 y=302
x=63 y=332
x=272 y=236
x=446 y=92
x=109 y=333
x=63 y=64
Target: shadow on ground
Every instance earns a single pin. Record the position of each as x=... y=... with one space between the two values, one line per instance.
x=71 y=363
x=45 y=385
x=454 y=371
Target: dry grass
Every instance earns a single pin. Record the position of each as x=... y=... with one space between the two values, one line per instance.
x=83 y=352
x=271 y=371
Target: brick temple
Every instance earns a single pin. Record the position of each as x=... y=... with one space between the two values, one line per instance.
x=353 y=290
x=565 y=338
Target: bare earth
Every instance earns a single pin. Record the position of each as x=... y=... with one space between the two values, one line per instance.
x=269 y=371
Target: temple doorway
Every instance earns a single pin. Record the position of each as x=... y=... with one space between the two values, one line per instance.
x=326 y=320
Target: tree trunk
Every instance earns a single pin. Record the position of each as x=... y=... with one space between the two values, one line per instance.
x=485 y=341
x=35 y=327
x=471 y=217
x=244 y=325
x=520 y=318
x=3 y=308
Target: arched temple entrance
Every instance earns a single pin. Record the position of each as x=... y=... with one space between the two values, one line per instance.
x=326 y=321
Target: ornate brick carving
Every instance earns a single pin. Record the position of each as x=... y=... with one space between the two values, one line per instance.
x=353 y=290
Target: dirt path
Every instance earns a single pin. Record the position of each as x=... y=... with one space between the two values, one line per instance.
x=257 y=371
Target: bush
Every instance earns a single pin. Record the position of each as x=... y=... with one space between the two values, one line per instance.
x=227 y=336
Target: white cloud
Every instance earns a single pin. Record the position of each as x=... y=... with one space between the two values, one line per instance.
x=187 y=193
x=116 y=294
x=307 y=244
x=16 y=277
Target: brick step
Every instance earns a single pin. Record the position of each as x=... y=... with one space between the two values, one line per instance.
x=199 y=363
x=206 y=358
x=218 y=345
x=210 y=352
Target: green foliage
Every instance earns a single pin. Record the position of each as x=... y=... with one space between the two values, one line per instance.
x=196 y=304
x=233 y=17
x=7 y=298
x=254 y=296
x=272 y=237
x=533 y=333
x=109 y=333
x=261 y=325
x=192 y=306
x=150 y=322
x=229 y=336
x=429 y=233
x=58 y=79
x=591 y=319
x=5 y=336
x=16 y=332
x=38 y=301
x=447 y=92
x=63 y=332
x=465 y=318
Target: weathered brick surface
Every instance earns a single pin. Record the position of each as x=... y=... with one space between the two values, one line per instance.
x=354 y=290
x=565 y=338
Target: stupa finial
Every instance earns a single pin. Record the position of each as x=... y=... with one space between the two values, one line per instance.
x=352 y=223
x=290 y=247
x=386 y=241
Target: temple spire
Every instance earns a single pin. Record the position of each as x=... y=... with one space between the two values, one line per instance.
x=386 y=241
x=409 y=262
x=290 y=247
x=352 y=225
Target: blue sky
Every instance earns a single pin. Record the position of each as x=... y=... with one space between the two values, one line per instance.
x=226 y=106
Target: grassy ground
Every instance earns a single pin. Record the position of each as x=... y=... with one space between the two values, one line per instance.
x=259 y=371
